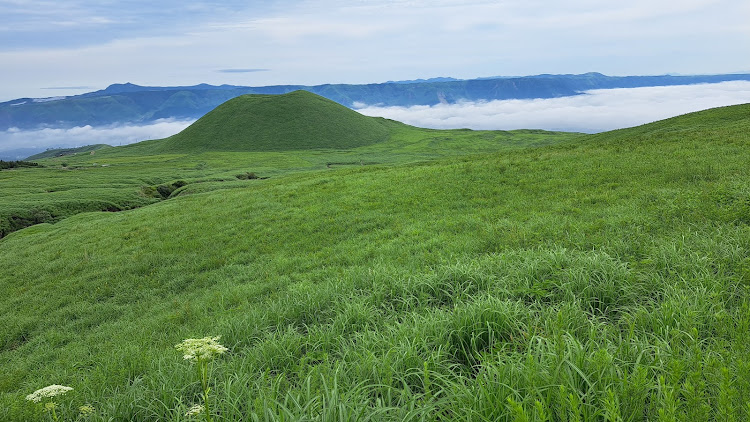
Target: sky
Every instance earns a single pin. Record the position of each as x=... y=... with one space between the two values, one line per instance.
x=51 y=47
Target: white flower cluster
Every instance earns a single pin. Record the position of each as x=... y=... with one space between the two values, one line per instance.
x=201 y=349
x=196 y=409
x=86 y=410
x=47 y=392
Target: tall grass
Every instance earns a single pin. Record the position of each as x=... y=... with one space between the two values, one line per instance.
x=600 y=280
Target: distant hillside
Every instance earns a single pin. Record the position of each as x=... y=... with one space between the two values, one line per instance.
x=293 y=121
x=129 y=103
x=59 y=152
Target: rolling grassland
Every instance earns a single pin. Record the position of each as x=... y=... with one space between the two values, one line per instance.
x=431 y=275
x=222 y=148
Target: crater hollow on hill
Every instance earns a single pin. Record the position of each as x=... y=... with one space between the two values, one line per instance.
x=294 y=121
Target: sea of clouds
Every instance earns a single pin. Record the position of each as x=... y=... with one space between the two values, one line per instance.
x=592 y=111
x=114 y=135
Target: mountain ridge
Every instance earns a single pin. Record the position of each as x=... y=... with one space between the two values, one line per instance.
x=131 y=103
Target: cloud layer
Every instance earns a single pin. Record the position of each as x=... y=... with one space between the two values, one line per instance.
x=87 y=135
x=593 y=111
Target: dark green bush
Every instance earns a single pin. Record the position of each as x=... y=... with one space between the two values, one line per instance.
x=247 y=176
x=23 y=219
x=166 y=189
x=16 y=164
x=150 y=191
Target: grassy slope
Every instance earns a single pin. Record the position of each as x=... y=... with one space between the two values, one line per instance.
x=606 y=277
x=67 y=151
x=119 y=178
x=320 y=134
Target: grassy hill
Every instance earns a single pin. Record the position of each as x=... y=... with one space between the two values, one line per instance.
x=59 y=152
x=293 y=121
x=602 y=278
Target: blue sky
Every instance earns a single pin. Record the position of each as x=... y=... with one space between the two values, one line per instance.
x=50 y=48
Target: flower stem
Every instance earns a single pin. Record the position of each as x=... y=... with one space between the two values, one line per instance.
x=203 y=371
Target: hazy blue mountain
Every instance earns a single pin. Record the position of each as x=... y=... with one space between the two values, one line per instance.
x=18 y=154
x=129 y=103
x=438 y=79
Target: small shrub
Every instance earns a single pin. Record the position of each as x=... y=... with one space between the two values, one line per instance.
x=247 y=176
x=150 y=191
x=166 y=189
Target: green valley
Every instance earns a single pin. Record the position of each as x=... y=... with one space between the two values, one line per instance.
x=371 y=270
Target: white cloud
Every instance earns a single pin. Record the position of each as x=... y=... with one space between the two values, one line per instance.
x=293 y=29
x=14 y=138
x=594 y=111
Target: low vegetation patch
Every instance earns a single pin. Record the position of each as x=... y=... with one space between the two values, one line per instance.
x=4 y=165
x=247 y=176
x=166 y=189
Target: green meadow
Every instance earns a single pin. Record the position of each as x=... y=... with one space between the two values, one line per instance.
x=405 y=275
x=220 y=150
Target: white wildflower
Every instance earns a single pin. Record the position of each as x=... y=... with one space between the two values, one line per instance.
x=197 y=409
x=47 y=392
x=201 y=349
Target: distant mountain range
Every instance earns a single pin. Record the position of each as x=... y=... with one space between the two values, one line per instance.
x=128 y=103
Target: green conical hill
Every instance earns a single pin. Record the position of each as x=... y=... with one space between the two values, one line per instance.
x=294 y=121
